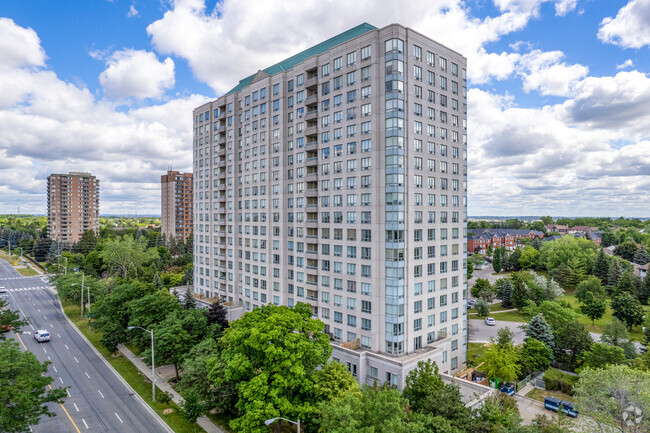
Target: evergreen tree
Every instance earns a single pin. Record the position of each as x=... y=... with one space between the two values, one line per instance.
x=641 y=257
x=218 y=314
x=601 y=267
x=644 y=291
x=540 y=330
x=614 y=273
x=506 y=293
x=519 y=294
x=593 y=307
x=575 y=273
x=537 y=244
x=627 y=309
x=188 y=300
x=496 y=262
x=626 y=283
x=157 y=282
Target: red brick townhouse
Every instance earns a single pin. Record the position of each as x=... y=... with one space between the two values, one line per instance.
x=481 y=239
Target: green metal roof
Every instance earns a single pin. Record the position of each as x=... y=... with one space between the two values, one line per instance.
x=292 y=61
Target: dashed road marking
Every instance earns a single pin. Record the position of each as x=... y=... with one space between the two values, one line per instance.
x=118 y=417
x=100 y=393
x=87 y=374
x=84 y=422
x=75 y=406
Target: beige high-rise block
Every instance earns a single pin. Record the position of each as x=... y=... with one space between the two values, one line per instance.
x=72 y=206
x=176 y=205
x=338 y=178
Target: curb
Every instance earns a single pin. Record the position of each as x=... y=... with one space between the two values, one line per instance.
x=119 y=377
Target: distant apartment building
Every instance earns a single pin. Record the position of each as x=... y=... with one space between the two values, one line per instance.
x=176 y=205
x=72 y=206
x=479 y=240
x=338 y=178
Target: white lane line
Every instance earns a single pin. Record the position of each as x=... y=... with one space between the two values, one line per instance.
x=38 y=310
x=33 y=304
x=60 y=379
x=75 y=358
x=44 y=350
x=49 y=359
x=54 y=369
x=57 y=334
x=66 y=346
x=100 y=393
x=68 y=393
x=52 y=326
x=87 y=374
x=118 y=417
x=75 y=406
x=45 y=317
x=84 y=422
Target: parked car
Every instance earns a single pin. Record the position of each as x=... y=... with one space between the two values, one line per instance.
x=3 y=289
x=42 y=335
x=490 y=321
x=471 y=302
x=508 y=388
x=554 y=404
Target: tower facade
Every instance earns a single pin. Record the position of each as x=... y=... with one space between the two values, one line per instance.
x=72 y=206
x=176 y=205
x=338 y=178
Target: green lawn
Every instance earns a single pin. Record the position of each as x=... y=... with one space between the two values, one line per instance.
x=27 y=271
x=474 y=353
x=598 y=327
x=539 y=395
x=132 y=375
x=492 y=307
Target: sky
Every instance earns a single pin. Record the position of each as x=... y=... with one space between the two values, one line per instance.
x=558 y=99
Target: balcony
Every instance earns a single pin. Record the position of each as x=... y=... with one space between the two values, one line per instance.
x=312 y=162
x=311 y=99
x=312 y=82
x=311 y=192
x=311 y=115
x=311 y=130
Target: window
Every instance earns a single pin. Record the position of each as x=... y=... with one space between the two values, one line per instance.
x=395 y=45
x=352 y=58
x=417 y=73
x=417 y=52
x=365 y=73
x=325 y=70
x=431 y=59
x=338 y=63
x=367 y=51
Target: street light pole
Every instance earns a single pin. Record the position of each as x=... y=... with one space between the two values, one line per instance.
x=272 y=420
x=153 y=372
x=82 y=296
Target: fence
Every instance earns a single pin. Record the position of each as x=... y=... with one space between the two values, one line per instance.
x=522 y=383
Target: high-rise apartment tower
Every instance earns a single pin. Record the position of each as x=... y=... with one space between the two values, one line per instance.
x=72 y=206
x=338 y=178
x=176 y=205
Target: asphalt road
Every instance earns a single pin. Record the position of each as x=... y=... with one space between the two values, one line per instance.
x=98 y=400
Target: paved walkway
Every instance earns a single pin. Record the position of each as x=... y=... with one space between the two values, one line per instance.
x=164 y=386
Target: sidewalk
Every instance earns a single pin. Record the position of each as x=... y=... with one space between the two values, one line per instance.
x=162 y=384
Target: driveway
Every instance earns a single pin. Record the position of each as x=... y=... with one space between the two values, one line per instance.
x=485 y=274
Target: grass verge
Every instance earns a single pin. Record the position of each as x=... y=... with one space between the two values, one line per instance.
x=27 y=271
x=132 y=375
x=491 y=307
x=539 y=395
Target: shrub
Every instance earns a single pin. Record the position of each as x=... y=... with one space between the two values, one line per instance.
x=555 y=380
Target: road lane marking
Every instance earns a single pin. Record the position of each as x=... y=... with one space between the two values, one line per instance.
x=52 y=326
x=49 y=359
x=75 y=406
x=118 y=417
x=66 y=346
x=100 y=393
x=87 y=374
x=68 y=391
x=75 y=358
x=60 y=379
x=84 y=422
x=54 y=369
x=38 y=310
x=44 y=350
x=58 y=335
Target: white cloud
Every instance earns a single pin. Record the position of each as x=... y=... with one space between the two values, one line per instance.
x=542 y=71
x=19 y=46
x=631 y=26
x=242 y=35
x=133 y=12
x=563 y=7
x=137 y=74
x=626 y=64
x=48 y=125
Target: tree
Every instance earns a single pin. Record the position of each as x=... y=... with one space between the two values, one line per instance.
x=470 y=270
x=590 y=284
x=608 y=238
x=641 y=257
x=601 y=266
x=501 y=362
x=646 y=332
x=490 y=251
x=333 y=381
x=594 y=307
x=537 y=244
x=482 y=289
x=529 y=258
x=429 y=394
x=377 y=409
x=511 y=261
x=505 y=337
x=24 y=392
x=614 y=396
x=217 y=314
x=626 y=283
x=504 y=286
x=188 y=300
x=270 y=355
x=627 y=309
x=127 y=256
x=9 y=319
x=627 y=250
x=561 y=251
x=547 y=220
x=192 y=407
x=614 y=273
x=616 y=334
x=519 y=293
x=87 y=243
x=600 y=355
x=570 y=341
x=644 y=291
x=575 y=273
x=556 y=314
x=496 y=261
x=482 y=308
x=499 y=413
x=195 y=377
x=535 y=356
x=540 y=330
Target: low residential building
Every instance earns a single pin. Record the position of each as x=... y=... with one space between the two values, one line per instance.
x=557 y=228
x=582 y=229
x=481 y=239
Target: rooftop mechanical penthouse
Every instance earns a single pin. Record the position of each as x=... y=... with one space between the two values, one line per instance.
x=338 y=178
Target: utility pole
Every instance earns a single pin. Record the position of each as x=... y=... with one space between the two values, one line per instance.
x=90 y=329
x=82 y=295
